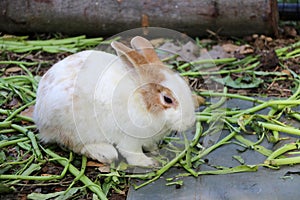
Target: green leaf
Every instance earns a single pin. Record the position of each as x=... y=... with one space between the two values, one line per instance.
x=262 y=73
x=25 y=146
x=39 y=196
x=5 y=189
x=106 y=186
x=180 y=182
x=95 y=197
x=2 y=157
x=239 y=159
x=68 y=194
x=239 y=83
x=62 y=195
x=33 y=167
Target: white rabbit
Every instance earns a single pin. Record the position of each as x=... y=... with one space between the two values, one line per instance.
x=99 y=104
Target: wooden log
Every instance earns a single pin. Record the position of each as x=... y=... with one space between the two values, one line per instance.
x=108 y=17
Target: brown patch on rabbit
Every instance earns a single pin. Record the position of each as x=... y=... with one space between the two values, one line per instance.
x=128 y=54
x=157 y=97
x=138 y=59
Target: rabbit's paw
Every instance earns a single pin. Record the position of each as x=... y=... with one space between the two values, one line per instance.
x=103 y=152
x=139 y=159
x=151 y=147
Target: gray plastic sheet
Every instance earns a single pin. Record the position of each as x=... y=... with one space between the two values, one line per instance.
x=263 y=184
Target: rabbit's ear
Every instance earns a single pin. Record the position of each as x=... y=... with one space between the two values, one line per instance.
x=128 y=55
x=145 y=47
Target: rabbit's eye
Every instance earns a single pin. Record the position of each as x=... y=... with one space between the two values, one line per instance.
x=168 y=100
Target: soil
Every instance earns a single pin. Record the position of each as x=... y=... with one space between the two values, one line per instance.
x=261 y=46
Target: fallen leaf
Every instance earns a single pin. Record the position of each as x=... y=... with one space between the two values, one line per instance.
x=290 y=31
x=59 y=189
x=230 y=48
x=170 y=47
x=28 y=112
x=5 y=189
x=188 y=52
x=239 y=82
x=215 y=53
x=46 y=174
x=198 y=100
x=94 y=164
x=13 y=70
x=14 y=103
x=255 y=36
x=104 y=169
x=38 y=196
x=285 y=71
x=157 y=42
x=245 y=49
x=59 y=195
x=269 y=39
x=239 y=159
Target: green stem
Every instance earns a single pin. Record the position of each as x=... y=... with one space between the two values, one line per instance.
x=202 y=118
x=228 y=95
x=174 y=161
x=163 y=169
x=13 y=114
x=219 y=103
x=237 y=169
x=11 y=142
x=32 y=138
x=253 y=146
x=292 y=53
x=294 y=115
x=197 y=134
x=73 y=170
x=285 y=129
x=284 y=149
x=268 y=104
x=30 y=178
x=13 y=62
x=213 y=147
x=200 y=73
x=283 y=161
x=5 y=124
x=189 y=169
x=206 y=61
x=35 y=178
x=82 y=170
x=291 y=98
x=31 y=158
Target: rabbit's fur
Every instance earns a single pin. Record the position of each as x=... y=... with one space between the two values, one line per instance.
x=99 y=104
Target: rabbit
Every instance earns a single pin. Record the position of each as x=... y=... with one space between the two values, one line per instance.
x=102 y=105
